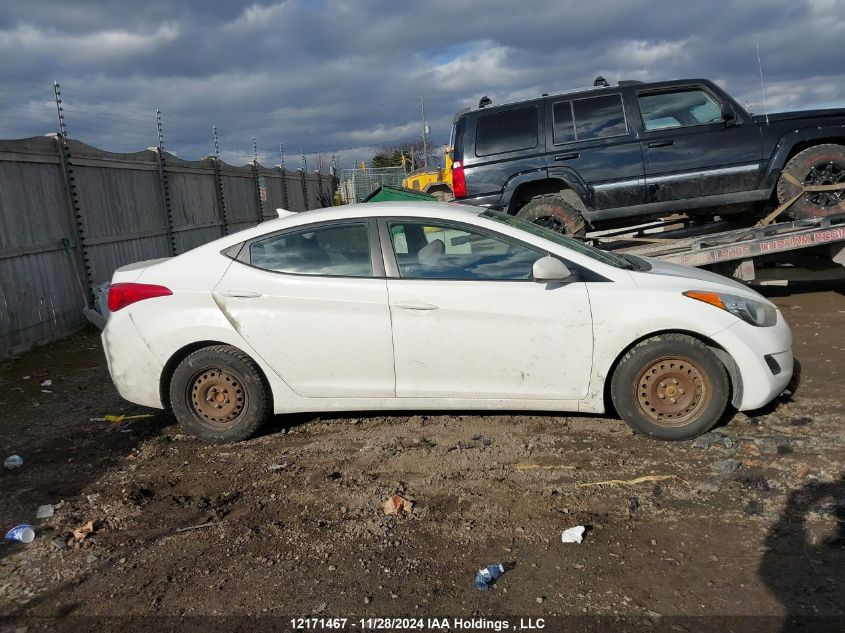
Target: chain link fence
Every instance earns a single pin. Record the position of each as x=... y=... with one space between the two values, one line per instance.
x=357 y=184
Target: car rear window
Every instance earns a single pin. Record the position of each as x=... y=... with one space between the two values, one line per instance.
x=599 y=117
x=506 y=131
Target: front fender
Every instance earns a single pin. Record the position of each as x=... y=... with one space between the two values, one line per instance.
x=788 y=141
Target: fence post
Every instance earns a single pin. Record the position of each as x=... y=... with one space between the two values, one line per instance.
x=285 y=202
x=164 y=181
x=260 y=191
x=83 y=254
x=304 y=171
x=221 y=198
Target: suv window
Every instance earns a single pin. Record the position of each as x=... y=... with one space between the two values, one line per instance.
x=564 y=127
x=337 y=250
x=443 y=251
x=678 y=109
x=599 y=117
x=506 y=131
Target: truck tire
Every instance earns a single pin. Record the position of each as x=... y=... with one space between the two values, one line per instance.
x=817 y=165
x=555 y=212
x=671 y=386
x=218 y=394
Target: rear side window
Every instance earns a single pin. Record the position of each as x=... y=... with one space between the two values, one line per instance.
x=599 y=117
x=335 y=250
x=506 y=131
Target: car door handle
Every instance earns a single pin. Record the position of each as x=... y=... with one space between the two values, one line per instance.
x=570 y=156
x=415 y=305
x=241 y=294
x=666 y=143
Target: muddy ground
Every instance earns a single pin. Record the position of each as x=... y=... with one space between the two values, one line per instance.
x=294 y=526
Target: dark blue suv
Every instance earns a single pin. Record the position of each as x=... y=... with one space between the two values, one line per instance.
x=617 y=155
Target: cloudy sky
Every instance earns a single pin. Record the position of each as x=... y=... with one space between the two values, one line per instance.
x=343 y=77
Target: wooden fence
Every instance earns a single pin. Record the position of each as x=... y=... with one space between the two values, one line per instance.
x=70 y=214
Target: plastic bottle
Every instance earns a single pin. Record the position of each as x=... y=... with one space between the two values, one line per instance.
x=13 y=461
x=487 y=575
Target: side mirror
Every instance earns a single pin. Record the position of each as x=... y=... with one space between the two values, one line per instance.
x=549 y=269
x=728 y=114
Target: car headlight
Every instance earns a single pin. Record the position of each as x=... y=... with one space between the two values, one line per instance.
x=751 y=311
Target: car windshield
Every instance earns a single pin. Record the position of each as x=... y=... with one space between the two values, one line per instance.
x=611 y=259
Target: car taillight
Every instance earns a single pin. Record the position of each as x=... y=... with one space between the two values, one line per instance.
x=459 y=183
x=122 y=295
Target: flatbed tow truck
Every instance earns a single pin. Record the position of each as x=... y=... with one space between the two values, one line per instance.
x=765 y=253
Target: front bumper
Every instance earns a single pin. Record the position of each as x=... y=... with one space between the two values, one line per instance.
x=134 y=370
x=749 y=346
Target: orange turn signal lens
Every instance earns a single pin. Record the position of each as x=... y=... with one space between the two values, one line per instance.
x=707 y=297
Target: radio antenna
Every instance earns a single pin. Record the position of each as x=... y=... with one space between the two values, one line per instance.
x=762 y=84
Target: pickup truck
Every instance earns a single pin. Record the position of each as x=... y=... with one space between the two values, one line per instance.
x=616 y=155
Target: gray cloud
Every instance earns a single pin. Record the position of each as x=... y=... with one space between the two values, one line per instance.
x=342 y=76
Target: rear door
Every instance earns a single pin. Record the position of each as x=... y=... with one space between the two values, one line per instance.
x=500 y=144
x=469 y=322
x=689 y=152
x=590 y=137
x=312 y=301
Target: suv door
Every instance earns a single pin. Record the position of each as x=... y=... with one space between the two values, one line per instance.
x=498 y=145
x=286 y=296
x=470 y=322
x=589 y=137
x=689 y=151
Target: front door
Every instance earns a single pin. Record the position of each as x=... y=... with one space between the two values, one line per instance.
x=688 y=150
x=469 y=322
x=309 y=304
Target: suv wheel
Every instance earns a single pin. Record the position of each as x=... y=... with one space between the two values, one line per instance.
x=672 y=387
x=554 y=212
x=817 y=165
x=217 y=393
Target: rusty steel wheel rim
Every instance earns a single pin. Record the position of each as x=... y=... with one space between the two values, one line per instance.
x=671 y=391
x=218 y=397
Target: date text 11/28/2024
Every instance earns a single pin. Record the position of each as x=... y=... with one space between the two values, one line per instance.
x=468 y=625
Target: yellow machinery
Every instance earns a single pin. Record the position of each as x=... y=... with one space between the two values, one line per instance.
x=437 y=182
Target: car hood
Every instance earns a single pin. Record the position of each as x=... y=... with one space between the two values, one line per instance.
x=664 y=273
x=810 y=115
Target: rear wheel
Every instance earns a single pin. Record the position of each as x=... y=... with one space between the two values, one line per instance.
x=218 y=394
x=672 y=387
x=555 y=212
x=818 y=165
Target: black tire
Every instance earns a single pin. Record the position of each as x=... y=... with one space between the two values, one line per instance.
x=218 y=394
x=555 y=212
x=820 y=164
x=674 y=366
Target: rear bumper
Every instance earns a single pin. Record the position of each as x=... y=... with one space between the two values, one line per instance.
x=133 y=368
x=762 y=380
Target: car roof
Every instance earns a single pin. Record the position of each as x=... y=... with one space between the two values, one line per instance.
x=445 y=211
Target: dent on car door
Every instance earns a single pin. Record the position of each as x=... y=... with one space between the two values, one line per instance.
x=312 y=301
x=688 y=149
x=469 y=322
x=590 y=138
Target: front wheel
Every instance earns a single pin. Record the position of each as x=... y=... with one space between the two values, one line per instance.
x=218 y=394
x=672 y=387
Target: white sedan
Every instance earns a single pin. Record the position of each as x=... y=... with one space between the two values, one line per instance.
x=424 y=306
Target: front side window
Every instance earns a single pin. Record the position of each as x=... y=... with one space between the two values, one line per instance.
x=336 y=250
x=506 y=131
x=442 y=251
x=678 y=109
x=599 y=117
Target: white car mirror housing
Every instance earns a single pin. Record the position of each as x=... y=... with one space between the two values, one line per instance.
x=550 y=269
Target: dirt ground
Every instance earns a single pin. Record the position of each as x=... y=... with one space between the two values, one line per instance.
x=291 y=522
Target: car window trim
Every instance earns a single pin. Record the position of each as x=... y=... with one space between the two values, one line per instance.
x=376 y=260
x=669 y=90
x=392 y=265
